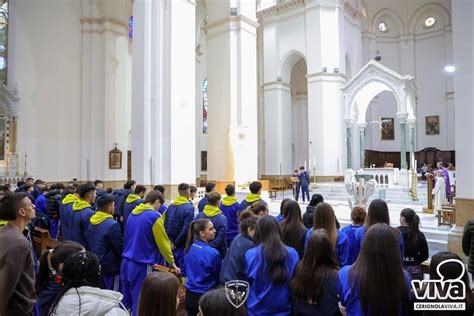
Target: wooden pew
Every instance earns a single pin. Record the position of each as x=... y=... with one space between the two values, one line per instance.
x=42 y=242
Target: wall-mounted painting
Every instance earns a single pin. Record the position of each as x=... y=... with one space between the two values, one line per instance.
x=387 y=131
x=432 y=125
x=115 y=158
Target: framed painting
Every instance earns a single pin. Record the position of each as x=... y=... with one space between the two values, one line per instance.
x=432 y=125
x=387 y=128
x=115 y=159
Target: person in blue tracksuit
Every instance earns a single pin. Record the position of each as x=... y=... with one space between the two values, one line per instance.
x=358 y=214
x=105 y=240
x=230 y=207
x=203 y=202
x=377 y=213
x=120 y=198
x=178 y=217
x=42 y=219
x=254 y=196
x=233 y=267
x=192 y=193
x=65 y=211
x=296 y=185
x=324 y=218
x=162 y=189
x=303 y=176
x=81 y=213
x=269 y=267
x=204 y=260
x=145 y=244
x=132 y=200
x=219 y=221
x=376 y=283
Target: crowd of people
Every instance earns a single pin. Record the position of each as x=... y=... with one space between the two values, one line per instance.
x=294 y=263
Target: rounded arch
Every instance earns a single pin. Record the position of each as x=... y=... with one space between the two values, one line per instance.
x=431 y=6
x=288 y=62
x=394 y=17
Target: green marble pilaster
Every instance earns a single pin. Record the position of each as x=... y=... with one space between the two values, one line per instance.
x=349 y=146
x=403 y=149
x=411 y=135
x=362 y=145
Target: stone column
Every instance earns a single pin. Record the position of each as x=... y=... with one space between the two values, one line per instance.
x=232 y=91
x=463 y=50
x=402 y=119
x=362 y=144
x=411 y=135
x=349 y=143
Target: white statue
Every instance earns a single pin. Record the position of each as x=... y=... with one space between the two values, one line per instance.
x=360 y=191
x=439 y=191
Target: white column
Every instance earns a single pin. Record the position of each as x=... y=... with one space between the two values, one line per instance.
x=232 y=92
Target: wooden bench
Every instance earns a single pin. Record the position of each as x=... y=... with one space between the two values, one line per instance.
x=42 y=242
x=276 y=185
x=447 y=215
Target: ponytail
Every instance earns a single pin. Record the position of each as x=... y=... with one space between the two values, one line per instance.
x=195 y=228
x=413 y=222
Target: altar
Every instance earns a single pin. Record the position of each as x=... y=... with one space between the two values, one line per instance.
x=386 y=177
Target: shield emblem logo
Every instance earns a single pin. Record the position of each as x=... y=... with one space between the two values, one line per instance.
x=237 y=292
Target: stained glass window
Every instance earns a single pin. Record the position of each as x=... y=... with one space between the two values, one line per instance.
x=204 y=106
x=130 y=27
x=3 y=40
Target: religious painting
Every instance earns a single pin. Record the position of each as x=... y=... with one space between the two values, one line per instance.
x=432 y=125
x=387 y=128
x=115 y=159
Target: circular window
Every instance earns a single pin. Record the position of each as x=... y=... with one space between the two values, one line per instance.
x=429 y=22
x=383 y=27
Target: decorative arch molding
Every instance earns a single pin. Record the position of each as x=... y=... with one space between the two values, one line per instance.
x=287 y=63
x=393 y=15
x=431 y=6
x=372 y=79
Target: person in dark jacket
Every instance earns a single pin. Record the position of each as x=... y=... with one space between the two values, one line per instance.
x=99 y=185
x=314 y=283
x=38 y=185
x=204 y=201
x=42 y=217
x=82 y=211
x=416 y=247
x=468 y=245
x=162 y=189
x=230 y=208
x=53 y=202
x=65 y=211
x=178 y=217
x=105 y=240
x=233 y=267
x=120 y=197
x=219 y=220
x=254 y=196
x=309 y=214
x=303 y=176
x=50 y=273
x=133 y=200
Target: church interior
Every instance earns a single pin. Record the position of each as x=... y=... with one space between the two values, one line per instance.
x=368 y=97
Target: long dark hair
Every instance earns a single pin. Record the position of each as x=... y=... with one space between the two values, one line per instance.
x=195 y=228
x=50 y=261
x=215 y=302
x=377 y=213
x=158 y=294
x=413 y=222
x=274 y=252
x=324 y=217
x=318 y=262
x=379 y=265
x=283 y=207
x=80 y=269
x=292 y=227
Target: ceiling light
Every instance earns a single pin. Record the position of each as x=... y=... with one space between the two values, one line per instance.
x=429 y=22
x=383 y=27
x=449 y=68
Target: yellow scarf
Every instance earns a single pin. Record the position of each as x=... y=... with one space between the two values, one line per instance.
x=229 y=200
x=180 y=200
x=140 y=208
x=252 y=197
x=132 y=198
x=69 y=199
x=99 y=217
x=3 y=223
x=211 y=211
x=80 y=205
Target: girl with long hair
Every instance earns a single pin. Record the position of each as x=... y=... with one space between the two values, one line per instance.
x=215 y=302
x=325 y=218
x=377 y=213
x=80 y=293
x=233 y=267
x=292 y=228
x=376 y=283
x=159 y=295
x=203 y=262
x=280 y=217
x=50 y=273
x=269 y=267
x=314 y=283
x=416 y=248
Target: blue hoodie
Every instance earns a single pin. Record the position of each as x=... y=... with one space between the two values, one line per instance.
x=203 y=202
x=343 y=247
x=220 y=224
x=233 y=267
x=230 y=208
x=206 y=264
x=349 y=230
x=359 y=238
x=79 y=221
